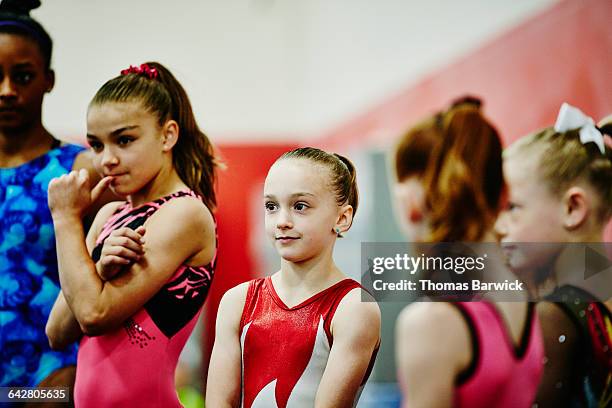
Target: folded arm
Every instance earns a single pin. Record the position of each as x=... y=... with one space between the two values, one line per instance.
x=175 y=233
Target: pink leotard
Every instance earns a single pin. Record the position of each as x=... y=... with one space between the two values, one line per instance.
x=133 y=366
x=285 y=349
x=501 y=375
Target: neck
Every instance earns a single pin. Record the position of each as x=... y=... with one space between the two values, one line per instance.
x=23 y=145
x=313 y=274
x=595 y=234
x=166 y=182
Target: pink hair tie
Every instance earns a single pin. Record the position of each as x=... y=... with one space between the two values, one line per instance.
x=143 y=69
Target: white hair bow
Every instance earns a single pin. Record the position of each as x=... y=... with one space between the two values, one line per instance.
x=571 y=117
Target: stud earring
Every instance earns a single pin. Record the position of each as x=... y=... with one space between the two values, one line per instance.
x=338 y=233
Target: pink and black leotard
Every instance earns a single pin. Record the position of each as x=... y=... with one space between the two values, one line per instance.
x=501 y=374
x=133 y=366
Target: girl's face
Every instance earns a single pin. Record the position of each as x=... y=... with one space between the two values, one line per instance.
x=127 y=143
x=409 y=199
x=300 y=209
x=533 y=214
x=23 y=82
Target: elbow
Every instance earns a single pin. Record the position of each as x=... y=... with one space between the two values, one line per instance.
x=55 y=337
x=92 y=324
x=93 y=321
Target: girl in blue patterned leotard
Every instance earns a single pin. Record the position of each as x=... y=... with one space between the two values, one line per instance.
x=28 y=270
x=29 y=158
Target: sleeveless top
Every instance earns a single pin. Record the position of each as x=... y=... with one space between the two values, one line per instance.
x=500 y=375
x=133 y=366
x=591 y=382
x=29 y=281
x=285 y=349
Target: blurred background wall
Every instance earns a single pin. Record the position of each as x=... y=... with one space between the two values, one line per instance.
x=265 y=76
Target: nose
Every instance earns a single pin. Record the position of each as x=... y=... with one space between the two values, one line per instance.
x=500 y=225
x=283 y=220
x=7 y=89
x=109 y=158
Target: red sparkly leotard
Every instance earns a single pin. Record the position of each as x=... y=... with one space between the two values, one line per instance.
x=133 y=366
x=500 y=375
x=285 y=349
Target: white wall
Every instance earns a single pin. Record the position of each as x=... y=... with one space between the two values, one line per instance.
x=264 y=69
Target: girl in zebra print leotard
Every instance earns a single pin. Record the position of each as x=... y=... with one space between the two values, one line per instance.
x=134 y=287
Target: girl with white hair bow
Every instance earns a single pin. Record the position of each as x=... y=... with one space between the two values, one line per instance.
x=560 y=191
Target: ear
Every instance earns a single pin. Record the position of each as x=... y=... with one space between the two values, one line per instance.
x=576 y=207
x=409 y=196
x=50 y=79
x=414 y=213
x=345 y=219
x=414 y=207
x=170 y=132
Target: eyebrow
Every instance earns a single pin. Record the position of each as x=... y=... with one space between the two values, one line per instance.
x=22 y=65
x=116 y=132
x=271 y=196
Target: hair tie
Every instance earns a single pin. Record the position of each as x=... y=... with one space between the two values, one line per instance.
x=468 y=100
x=570 y=118
x=143 y=69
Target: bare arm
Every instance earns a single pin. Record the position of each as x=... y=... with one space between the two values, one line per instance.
x=178 y=231
x=428 y=359
x=224 y=372
x=62 y=328
x=355 y=341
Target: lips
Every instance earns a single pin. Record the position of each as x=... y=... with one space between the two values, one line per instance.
x=508 y=246
x=9 y=110
x=115 y=177
x=285 y=240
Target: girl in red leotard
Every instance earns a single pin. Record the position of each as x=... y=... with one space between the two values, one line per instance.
x=301 y=337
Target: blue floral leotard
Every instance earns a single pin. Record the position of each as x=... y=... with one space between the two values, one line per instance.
x=29 y=282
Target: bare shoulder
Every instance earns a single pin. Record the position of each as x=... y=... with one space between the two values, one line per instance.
x=358 y=301
x=421 y=314
x=106 y=212
x=232 y=303
x=184 y=224
x=357 y=315
x=185 y=213
x=237 y=294
x=108 y=209
x=426 y=325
